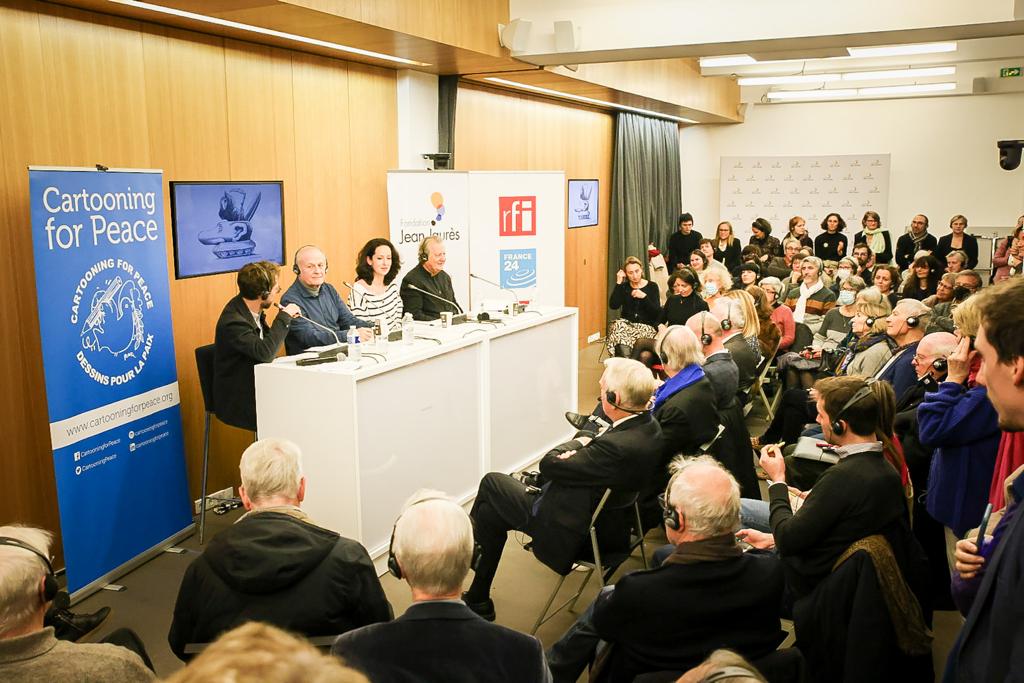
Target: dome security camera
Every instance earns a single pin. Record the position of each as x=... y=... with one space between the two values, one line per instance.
x=1009 y=153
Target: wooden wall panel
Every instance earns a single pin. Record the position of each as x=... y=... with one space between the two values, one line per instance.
x=495 y=130
x=77 y=88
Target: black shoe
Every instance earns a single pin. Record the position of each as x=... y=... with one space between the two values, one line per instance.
x=576 y=420
x=483 y=609
x=70 y=626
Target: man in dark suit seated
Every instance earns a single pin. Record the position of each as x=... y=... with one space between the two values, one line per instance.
x=708 y=593
x=573 y=477
x=275 y=565
x=439 y=638
x=244 y=339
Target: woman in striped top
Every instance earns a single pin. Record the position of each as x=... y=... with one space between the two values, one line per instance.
x=375 y=293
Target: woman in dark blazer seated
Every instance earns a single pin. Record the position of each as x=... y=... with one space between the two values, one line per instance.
x=876 y=237
x=640 y=302
x=685 y=299
x=831 y=244
x=727 y=247
x=923 y=279
x=958 y=239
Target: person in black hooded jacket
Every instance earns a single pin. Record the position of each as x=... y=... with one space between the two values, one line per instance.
x=275 y=565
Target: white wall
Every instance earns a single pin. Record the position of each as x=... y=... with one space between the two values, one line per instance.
x=944 y=155
x=417 y=118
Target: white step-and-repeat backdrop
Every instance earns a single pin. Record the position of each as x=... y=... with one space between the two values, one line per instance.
x=780 y=187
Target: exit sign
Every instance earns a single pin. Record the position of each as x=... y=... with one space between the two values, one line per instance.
x=1009 y=72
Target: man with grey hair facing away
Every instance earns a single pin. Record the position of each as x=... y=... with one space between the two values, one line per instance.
x=708 y=593
x=30 y=652
x=439 y=638
x=275 y=565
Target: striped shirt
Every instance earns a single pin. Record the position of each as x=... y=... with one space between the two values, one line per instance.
x=369 y=306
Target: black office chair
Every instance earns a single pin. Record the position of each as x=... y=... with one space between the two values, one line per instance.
x=204 y=364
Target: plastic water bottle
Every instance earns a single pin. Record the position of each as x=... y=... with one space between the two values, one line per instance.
x=354 y=351
x=408 y=329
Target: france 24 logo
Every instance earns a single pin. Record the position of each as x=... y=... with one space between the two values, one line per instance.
x=517 y=216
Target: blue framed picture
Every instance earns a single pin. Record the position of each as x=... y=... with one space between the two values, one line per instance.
x=220 y=226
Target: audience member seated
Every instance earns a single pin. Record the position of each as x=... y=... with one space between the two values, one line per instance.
x=870 y=347
x=733 y=447
x=685 y=299
x=844 y=268
x=864 y=259
x=768 y=334
x=959 y=422
x=923 y=279
x=29 y=651
x=723 y=665
x=751 y=322
x=859 y=496
x=958 y=239
x=320 y=302
x=831 y=244
x=989 y=646
x=781 y=315
x=375 y=294
x=886 y=279
x=716 y=281
x=682 y=242
x=781 y=266
x=965 y=284
x=726 y=246
x=427 y=289
x=748 y=274
x=244 y=339
x=760 y=237
x=439 y=638
x=917 y=238
x=944 y=291
x=275 y=565
x=698 y=262
x=956 y=261
x=836 y=324
x=732 y=323
x=573 y=477
x=1009 y=255
x=812 y=299
x=255 y=653
x=707 y=594
x=640 y=305
x=875 y=237
x=906 y=325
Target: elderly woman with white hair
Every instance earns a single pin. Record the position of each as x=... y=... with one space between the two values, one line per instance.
x=716 y=281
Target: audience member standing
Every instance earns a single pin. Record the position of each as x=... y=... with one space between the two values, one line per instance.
x=875 y=237
x=762 y=239
x=831 y=244
x=958 y=239
x=917 y=238
x=798 y=231
x=727 y=247
x=1009 y=255
x=683 y=242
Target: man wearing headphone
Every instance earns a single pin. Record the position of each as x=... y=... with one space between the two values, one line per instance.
x=663 y=619
x=244 y=339
x=320 y=302
x=573 y=478
x=28 y=650
x=439 y=638
x=429 y=276
x=906 y=326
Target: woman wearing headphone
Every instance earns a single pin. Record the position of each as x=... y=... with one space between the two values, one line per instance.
x=640 y=304
x=870 y=347
x=375 y=293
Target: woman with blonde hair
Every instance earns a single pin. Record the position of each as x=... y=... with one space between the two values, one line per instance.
x=640 y=303
x=726 y=246
x=870 y=347
x=958 y=239
x=752 y=325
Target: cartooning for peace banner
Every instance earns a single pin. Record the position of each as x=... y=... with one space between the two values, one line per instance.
x=108 y=358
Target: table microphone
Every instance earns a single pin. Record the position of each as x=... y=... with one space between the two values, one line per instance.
x=314 y=322
x=514 y=306
x=439 y=298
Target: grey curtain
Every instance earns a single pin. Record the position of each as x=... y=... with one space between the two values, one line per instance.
x=447 y=96
x=645 y=188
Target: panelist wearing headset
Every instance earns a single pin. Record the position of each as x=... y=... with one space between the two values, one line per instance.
x=244 y=339
x=426 y=288
x=320 y=303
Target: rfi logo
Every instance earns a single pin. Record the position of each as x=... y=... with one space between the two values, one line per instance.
x=517 y=216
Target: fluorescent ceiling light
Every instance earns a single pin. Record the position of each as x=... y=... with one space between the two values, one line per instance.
x=811 y=94
x=267 y=32
x=588 y=100
x=899 y=73
x=783 y=80
x=907 y=89
x=897 y=50
x=727 y=60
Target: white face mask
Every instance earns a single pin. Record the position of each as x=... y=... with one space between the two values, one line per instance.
x=842 y=274
x=846 y=297
x=710 y=289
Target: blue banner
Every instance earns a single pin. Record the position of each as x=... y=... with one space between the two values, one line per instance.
x=108 y=357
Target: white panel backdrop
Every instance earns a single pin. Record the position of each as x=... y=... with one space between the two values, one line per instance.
x=422 y=203
x=780 y=187
x=517 y=235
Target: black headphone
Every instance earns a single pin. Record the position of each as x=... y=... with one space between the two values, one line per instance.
x=396 y=570
x=295 y=259
x=940 y=364
x=50 y=586
x=870 y=321
x=705 y=338
x=264 y=276
x=913 y=321
x=661 y=343
x=612 y=398
x=424 y=253
x=726 y=322
x=838 y=428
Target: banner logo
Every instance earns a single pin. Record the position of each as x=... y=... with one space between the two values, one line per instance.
x=518 y=268
x=517 y=216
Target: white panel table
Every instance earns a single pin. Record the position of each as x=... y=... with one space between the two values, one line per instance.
x=438 y=413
